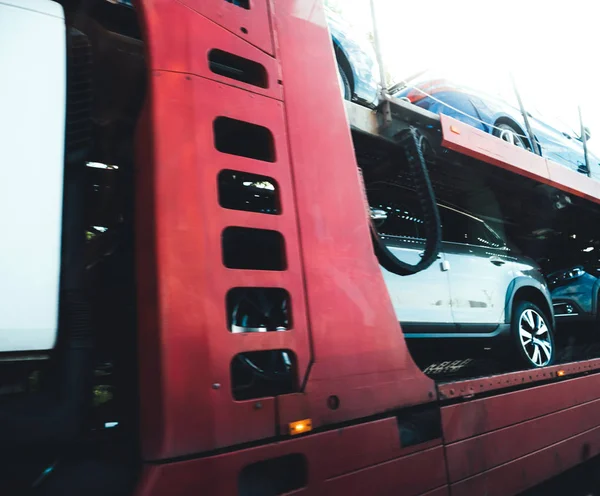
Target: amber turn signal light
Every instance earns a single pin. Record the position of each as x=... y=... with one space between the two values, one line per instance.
x=300 y=427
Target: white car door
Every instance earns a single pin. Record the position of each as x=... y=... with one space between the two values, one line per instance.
x=480 y=271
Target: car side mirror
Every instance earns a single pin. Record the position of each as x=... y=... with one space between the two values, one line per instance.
x=588 y=135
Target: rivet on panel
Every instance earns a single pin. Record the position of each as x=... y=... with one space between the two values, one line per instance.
x=216 y=385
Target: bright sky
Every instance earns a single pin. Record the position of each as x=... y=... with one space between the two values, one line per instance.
x=553 y=48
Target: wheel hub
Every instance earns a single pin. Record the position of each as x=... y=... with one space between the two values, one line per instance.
x=535 y=338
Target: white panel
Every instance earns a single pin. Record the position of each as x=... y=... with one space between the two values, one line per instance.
x=32 y=127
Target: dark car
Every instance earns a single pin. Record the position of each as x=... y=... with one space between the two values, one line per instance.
x=495 y=115
x=575 y=293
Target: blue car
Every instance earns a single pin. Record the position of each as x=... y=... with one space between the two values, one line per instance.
x=357 y=67
x=576 y=293
x=496 y=116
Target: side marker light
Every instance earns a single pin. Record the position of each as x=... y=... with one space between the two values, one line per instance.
x=300 y=427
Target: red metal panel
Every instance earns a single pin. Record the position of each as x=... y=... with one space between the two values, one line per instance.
x=481 y=385
x=573 y=182
x=335 y=452
x=354 y=448
x=475 y=143
x=359 y=351
x=253 y=24
x=358 y=395
x=440 y=491
x=179 y=40
x=475 y=455
x=528 y=471
x=468 y=419
x=409 y=476
x=194 y=346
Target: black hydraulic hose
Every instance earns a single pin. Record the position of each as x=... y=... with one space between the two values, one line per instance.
x=431 y=216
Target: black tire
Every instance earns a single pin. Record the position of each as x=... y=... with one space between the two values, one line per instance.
x=344 y=83
x=525 y=352
x=507 y=132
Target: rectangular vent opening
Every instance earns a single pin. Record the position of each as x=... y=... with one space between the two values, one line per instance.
x=248 y=192
x=253 y=249
x=239 y=68
x=243 y=139
x=274 y=476
x=261 y=374
x=244 y=4
x=258 y=310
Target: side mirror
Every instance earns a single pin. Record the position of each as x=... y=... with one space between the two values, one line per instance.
x=588 y=135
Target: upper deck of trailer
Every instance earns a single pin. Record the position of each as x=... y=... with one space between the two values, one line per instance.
x=394 y=114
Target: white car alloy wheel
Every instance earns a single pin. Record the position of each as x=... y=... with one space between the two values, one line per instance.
x=535 y=337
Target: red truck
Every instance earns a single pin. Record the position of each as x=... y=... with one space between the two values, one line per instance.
x=211 y=161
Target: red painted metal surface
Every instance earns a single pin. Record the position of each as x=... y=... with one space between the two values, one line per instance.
x=480 y=385
x=474 y=455
x=335 y=465
x=408 y=476
x=185 y=358
x=358 y=348
x=523 y=473
x=464 y=420
x=178 y=39
x=252 y=25
x=379 y=442
x=195 y=348
x=510 y=442
x=354 y=349
x=475 y=143
x=440 y=491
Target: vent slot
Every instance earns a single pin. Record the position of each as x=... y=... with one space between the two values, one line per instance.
x=260 y=374
x=253 y=249
x=258 y=310
x=239 y=68
x=275 y=476
x=244 y=4
x=248 y=192
x=243 y=139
